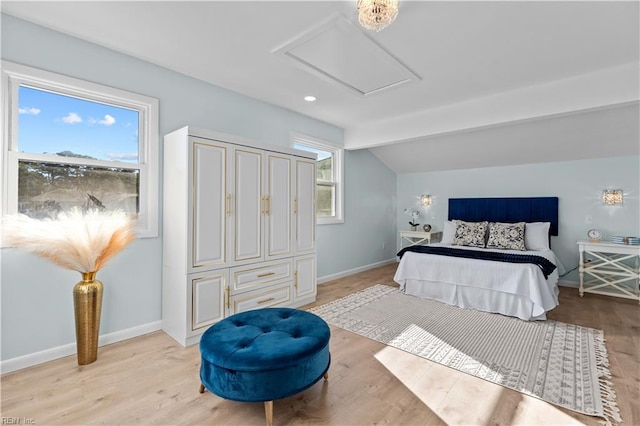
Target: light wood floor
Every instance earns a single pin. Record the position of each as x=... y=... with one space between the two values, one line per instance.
x=153 y=380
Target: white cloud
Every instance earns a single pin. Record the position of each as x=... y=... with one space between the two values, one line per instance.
x=28 y=110
x=72 y=118
x=123 y=156
x=107 y=120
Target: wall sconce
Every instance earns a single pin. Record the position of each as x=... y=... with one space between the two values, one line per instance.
x=426 y=200
x=612 y=197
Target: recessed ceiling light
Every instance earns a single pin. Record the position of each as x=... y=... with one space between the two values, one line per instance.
x=310 y=98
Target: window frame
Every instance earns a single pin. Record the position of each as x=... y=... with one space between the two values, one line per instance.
x=338 y=174
x=14 y=75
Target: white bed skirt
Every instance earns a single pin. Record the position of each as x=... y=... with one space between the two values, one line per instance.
x=475 y=298
x=515 y=289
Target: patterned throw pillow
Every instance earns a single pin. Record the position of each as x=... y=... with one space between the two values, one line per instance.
x=470 y=233
x=506 y=236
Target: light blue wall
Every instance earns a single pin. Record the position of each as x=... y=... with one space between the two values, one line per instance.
x=36 y=296
x=369 y=232
x=37 y=311
x=578 y=184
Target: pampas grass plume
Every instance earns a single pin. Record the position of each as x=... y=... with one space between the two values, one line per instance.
x=83 y=242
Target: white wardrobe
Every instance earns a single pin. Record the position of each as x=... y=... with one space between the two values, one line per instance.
x=239 y=227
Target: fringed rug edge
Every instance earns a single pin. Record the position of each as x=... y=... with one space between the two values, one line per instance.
x=611 y=412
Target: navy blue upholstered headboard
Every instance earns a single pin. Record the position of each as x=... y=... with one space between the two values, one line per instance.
x=509 y=210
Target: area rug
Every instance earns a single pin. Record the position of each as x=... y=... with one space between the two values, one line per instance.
x=563 y=364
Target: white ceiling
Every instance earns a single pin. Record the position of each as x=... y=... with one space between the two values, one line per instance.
x=485 y=70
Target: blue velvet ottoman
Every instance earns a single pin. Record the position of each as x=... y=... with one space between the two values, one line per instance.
x=264 y=355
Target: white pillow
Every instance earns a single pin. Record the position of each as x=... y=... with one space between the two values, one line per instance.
x=536 y=236
x=448 y=232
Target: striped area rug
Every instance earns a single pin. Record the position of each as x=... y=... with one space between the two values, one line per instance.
x=563 y=364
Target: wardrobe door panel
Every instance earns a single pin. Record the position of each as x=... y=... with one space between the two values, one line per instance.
x=248 y=205
x=208 y=233
x=278 y=206
x=305 y=211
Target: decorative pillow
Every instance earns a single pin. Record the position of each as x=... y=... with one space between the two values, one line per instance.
x=536 y=235
x=448 y=232
x=470 y=233
x=506 y=236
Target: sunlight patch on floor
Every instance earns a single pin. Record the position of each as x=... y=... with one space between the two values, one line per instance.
x=417 y=340
x=458 y=398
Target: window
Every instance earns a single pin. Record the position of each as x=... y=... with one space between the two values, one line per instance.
x=71 y=143
x=329 y=172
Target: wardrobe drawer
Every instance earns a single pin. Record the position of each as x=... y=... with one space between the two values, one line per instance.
x=275 y=296
x=251 y=277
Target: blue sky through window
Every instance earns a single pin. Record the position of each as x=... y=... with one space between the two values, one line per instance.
x=52 y=123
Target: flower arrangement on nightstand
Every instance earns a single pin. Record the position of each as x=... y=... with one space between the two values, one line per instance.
x=414 y=217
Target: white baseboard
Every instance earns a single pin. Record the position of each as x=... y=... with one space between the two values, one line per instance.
x=568 y=283
x=29 y=360
x=327 y=278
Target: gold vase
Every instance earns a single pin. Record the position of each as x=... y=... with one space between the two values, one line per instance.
x=87 y=304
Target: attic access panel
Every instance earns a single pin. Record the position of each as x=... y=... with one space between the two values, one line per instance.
x=339 y=52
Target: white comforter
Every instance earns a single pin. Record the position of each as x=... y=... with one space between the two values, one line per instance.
x=514 y=289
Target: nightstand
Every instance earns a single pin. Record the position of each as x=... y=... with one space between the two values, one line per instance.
x=418 y=237
x=609 y=269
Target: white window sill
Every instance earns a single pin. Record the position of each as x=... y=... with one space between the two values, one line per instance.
x=329 y=221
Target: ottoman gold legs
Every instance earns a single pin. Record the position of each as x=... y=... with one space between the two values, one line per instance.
x=268 y=405
x=268 y=411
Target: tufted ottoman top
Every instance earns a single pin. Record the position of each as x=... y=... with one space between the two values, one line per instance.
x=264 y=339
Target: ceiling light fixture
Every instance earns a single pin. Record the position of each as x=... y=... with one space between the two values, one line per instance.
x=310 y=98
x=375 y=15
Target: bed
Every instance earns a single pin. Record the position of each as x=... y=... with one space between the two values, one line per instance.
x=515 y=289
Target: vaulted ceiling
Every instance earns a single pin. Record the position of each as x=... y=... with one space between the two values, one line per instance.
x=448 y=85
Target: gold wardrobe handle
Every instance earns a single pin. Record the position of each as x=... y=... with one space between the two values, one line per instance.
x=228 y=204
x=266 y=300
x=266 y=274
x=227 y=297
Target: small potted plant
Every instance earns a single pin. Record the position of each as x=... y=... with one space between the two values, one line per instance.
x=414 y=217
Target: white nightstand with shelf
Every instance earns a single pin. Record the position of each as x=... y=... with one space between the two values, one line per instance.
x=609 y=269
x=418 y=237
